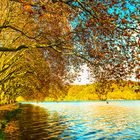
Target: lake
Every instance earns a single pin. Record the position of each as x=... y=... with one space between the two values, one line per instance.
x=78 y=121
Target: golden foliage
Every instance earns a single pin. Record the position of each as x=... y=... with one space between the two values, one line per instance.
x=127 y=90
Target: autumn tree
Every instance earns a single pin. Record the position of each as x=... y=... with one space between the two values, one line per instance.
x=107 y=36
x=103 y=34
x=23 y=27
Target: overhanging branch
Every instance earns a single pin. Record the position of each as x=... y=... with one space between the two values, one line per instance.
x=18 y=30
x=21 y=47
x=4 y=49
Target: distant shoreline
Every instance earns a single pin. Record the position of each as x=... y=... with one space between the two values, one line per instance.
x=13 y=106
x=109 y=100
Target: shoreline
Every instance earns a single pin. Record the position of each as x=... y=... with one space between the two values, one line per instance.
x=55 y=101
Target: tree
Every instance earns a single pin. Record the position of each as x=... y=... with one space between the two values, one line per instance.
x=94 y=32
x=108 y=39
x=107 y=35
x=23 y=27
x=8 y=71
x=102 y=88
x=34 y=75
x=32 y=29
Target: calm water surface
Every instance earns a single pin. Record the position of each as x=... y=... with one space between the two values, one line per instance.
x=118 y=120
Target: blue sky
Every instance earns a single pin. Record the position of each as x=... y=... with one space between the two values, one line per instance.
x=123 y=9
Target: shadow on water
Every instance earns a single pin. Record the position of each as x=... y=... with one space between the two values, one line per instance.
x=35 y=123
x=76 y=121
x=7 y=121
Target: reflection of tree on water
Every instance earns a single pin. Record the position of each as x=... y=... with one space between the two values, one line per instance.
x=8 y=123
x=75 y=121
x=35 y=123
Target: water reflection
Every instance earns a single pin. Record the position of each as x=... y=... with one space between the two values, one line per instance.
x=37 y=124
x=78 y=121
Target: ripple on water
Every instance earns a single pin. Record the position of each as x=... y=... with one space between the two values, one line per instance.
x=81 y=121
